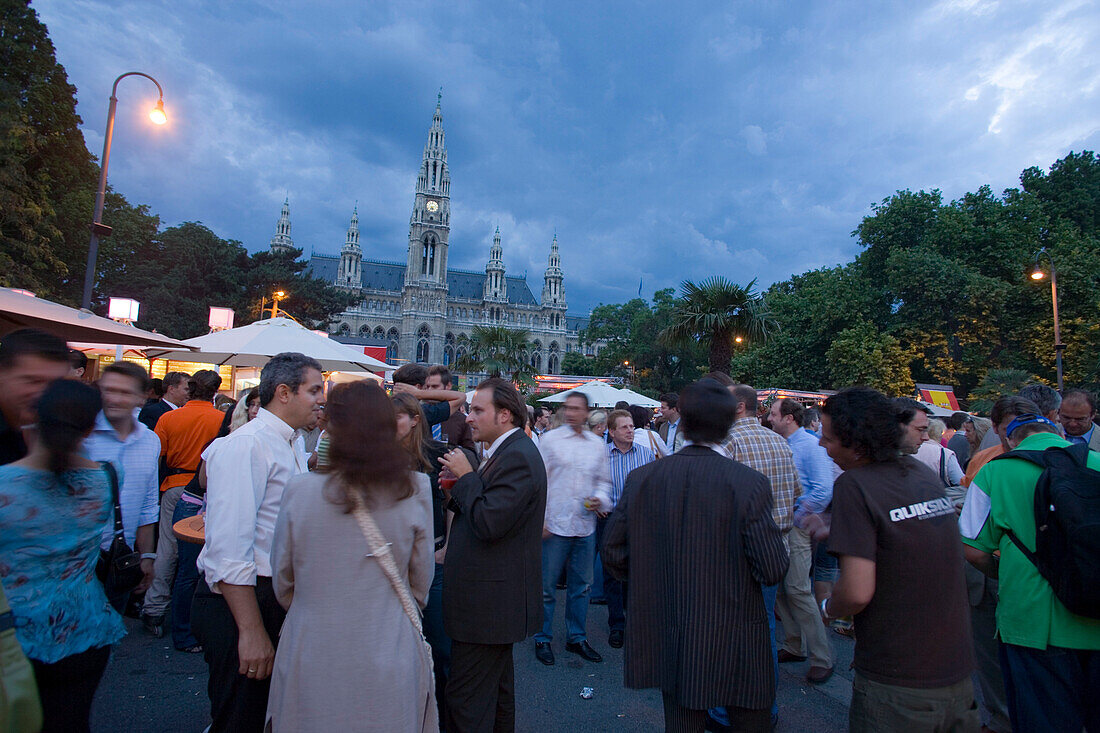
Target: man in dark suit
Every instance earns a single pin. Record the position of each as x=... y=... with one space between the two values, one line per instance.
x=697 y=627
x=175 y=395
x=492 y=575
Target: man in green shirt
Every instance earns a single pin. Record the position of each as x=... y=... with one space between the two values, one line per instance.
x=1050 y=657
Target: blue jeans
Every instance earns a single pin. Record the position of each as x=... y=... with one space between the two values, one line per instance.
x=187 y=578
x=770 y=592
x=1052 y=688
x=438 y=639
x=576 y=555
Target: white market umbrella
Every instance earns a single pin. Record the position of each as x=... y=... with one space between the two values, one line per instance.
x=21 y=310
x=253 y=345
x=636 y=398
x=600 y=394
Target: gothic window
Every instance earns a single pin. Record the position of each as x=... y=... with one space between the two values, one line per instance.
x=379 y=334
x=552 y=364
x=427 y=260
x=460 y=353
x=345 y=329
x=394 y=338
x=423 y=352
x=536 y=361
x=364 y=330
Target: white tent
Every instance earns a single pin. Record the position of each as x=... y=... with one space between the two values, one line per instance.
x=253 y=345
x=635 y=398
x=600 y=394
x=19 y=309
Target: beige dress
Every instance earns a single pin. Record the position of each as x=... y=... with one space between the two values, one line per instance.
x=349 y=658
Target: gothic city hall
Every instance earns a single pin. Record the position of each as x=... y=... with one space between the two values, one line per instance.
x=422 y=310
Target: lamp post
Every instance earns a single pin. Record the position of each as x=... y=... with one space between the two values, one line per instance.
x=1038 y=274
x=98 y=228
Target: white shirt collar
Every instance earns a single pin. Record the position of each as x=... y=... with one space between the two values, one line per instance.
x=496 y=443
x=173 y=405
x=713 y=446
x=276 y=423
x=103 y=425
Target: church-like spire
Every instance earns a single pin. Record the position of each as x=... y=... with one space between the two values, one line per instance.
x=553 y=293
x=282 y=242
x=496 y=286
x=430 y=223
x=351 y=256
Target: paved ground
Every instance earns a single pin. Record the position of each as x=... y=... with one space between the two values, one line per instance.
x=151 y=687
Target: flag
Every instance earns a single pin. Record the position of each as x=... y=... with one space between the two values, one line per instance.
x=639 y=287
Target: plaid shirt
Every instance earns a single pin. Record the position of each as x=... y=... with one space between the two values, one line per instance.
x=765 y=451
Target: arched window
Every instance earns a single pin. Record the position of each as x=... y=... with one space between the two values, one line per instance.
x=345 y=329
x=536 y=361
x=448 y=348
x=552 y=364
x=379 y=334
x=364 y=330
x=394 y=338
x=427 y=260
x=423 y=352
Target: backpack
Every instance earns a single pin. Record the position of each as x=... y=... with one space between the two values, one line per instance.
x=1067 y=526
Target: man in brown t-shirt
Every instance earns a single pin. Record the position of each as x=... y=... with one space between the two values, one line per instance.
x=901 y=575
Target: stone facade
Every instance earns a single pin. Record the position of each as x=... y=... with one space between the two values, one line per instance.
x=424 y=311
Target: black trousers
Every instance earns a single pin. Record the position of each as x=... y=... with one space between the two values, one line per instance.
x=66 y=688
x=481 y=691
x=679 y=719
x=238 y=704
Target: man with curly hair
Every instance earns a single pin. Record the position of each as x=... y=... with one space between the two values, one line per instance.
x=901 y=574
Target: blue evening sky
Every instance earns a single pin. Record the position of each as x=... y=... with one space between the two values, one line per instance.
x=661 y=141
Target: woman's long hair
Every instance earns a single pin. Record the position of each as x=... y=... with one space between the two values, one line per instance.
x=414 y=441
x=239 y=414
x=66 y=413
x=363 y=449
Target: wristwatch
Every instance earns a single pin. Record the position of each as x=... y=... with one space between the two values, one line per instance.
x=148 y=556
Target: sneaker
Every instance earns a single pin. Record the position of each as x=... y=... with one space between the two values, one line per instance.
x=153 y=624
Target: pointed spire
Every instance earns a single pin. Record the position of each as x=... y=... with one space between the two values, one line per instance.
x=353 y=227
x=282 y=242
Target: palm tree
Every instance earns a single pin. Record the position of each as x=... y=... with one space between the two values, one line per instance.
x=718 y=311
x=498 y=350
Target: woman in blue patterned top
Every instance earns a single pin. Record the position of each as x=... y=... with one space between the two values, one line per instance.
x=53 y=506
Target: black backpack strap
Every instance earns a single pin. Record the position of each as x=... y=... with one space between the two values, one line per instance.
x=1020 y=546
x=112 y=474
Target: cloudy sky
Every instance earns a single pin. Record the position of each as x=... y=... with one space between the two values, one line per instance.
x=661 y=141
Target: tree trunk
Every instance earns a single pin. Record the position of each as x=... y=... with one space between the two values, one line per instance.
x=721 y=352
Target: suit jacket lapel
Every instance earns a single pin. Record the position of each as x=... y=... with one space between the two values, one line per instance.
x=483 y=469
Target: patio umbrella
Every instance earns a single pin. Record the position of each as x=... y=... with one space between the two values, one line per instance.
x=21 y=310
x=253 y=345
x=600 y=394
x=636 y=398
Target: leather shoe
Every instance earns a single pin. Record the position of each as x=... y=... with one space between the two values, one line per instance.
x=584 y=649
x=817 y=675
x=615 y=639
x=785 y=656
x=544 y=653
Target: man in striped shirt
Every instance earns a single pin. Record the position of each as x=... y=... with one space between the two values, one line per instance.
x=624 y=455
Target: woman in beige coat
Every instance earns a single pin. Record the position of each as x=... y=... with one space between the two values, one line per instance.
x=350 y=657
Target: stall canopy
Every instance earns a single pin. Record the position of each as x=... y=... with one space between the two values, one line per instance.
x=19 y=309
x=253 y=345
x=635 y=398
x=600 y=394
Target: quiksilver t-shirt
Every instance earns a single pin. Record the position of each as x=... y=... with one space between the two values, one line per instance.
x=915 y=632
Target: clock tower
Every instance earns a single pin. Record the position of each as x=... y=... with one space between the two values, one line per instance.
x=424 y=296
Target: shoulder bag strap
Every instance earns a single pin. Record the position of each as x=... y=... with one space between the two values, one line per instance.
x=112 y=474
x=943 y=467
x=380 y=550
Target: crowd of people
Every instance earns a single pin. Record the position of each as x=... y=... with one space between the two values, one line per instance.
x=405 y=542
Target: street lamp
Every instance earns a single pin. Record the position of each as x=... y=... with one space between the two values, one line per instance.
x=221 y=319
x=1038 y=274
x=99 y=229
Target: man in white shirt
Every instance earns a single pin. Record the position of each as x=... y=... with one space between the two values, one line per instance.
x=578 y=487
x=235 y=614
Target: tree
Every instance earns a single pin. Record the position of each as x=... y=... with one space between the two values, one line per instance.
x=577 y=363
x=996 y=384
x=861 y=355
x=43 y=160
x=717 y=311
x=310 y=300
x=498 y=350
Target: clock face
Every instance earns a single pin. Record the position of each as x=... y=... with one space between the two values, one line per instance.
x=432 y=206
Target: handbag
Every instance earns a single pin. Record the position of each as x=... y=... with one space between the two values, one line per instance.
x=20 y=710
x=118 y=567
x=955 y=492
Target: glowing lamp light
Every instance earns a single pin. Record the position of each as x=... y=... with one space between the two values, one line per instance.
x=1037 y=274
x=157 y=113
x=220 y=318
x=123 y=309
x=739 y=339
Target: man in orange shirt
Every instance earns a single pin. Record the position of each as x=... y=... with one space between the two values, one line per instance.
x=183 y=434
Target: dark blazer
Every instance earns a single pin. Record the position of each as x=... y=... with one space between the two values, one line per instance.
x=457 y=431
x=152 y=411
x=492 y=575
x=693 y=533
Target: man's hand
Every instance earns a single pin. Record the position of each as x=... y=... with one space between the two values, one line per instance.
x=457 y=461
x=256 y=653
x=146 y=576
x=402 y=388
